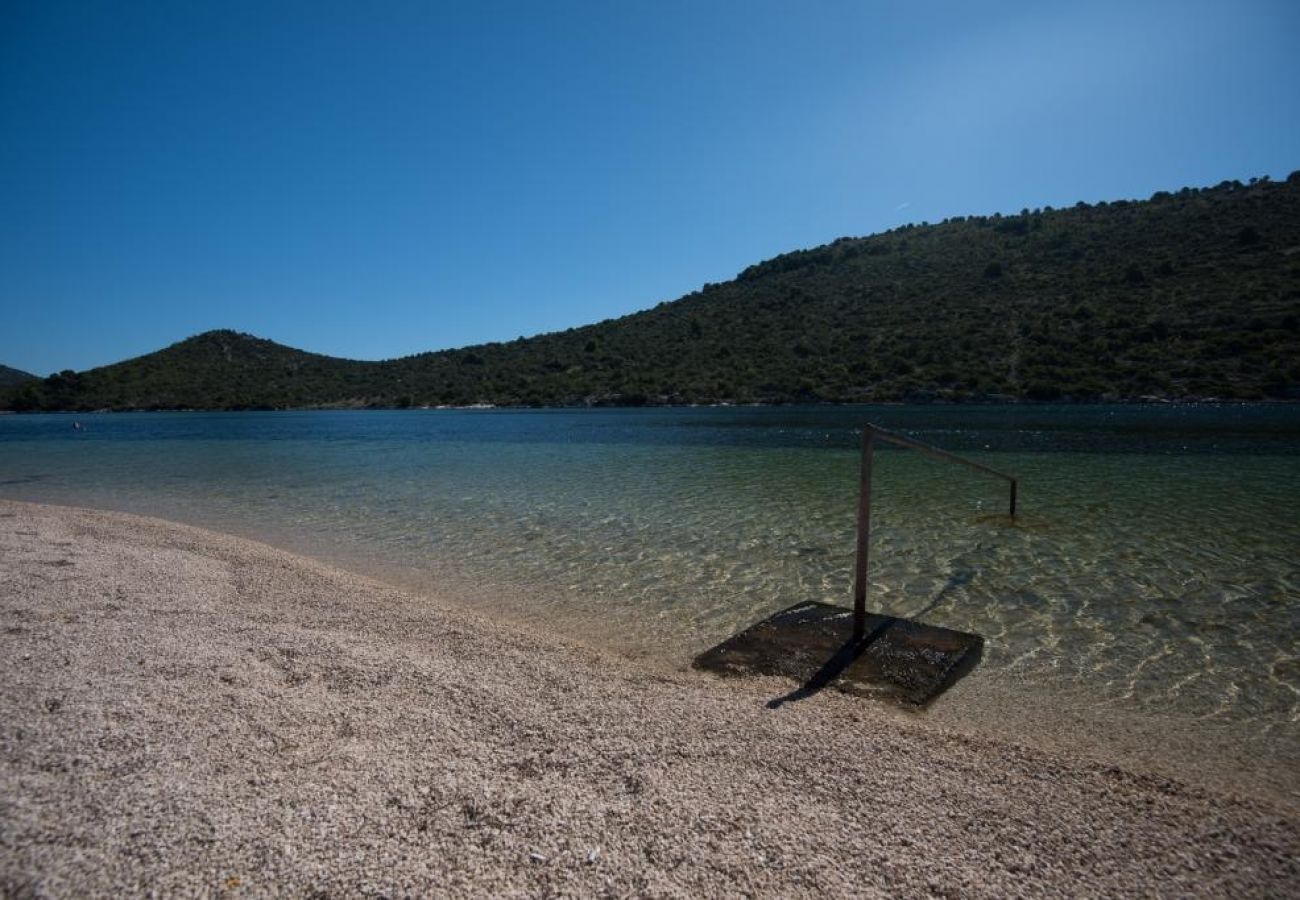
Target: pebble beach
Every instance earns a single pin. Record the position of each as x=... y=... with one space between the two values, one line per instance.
x=185 y=713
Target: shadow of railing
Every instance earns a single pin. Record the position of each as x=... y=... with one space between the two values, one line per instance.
x=956 y=580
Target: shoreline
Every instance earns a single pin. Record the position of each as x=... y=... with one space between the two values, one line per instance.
x=988 y=704
x=188 y=712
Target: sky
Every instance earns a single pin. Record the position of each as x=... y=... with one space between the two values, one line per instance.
x=377 y=179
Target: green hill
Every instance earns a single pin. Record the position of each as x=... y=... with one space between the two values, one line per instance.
x=1187 y=295
x=11 y=377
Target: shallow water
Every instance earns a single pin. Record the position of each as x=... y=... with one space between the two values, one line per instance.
x=1153 y=567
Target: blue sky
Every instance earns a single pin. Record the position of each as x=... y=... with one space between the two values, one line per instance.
x=378 y=179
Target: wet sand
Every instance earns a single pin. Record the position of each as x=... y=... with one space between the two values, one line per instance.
x=188 y=713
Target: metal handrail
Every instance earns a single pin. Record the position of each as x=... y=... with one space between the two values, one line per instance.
x=869 y=435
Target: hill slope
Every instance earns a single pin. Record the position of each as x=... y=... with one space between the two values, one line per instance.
x=1187 y=295
x=10 y=377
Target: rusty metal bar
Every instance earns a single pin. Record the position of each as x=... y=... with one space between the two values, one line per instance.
x=945 y=455
x=869 y=434
x=864 y=535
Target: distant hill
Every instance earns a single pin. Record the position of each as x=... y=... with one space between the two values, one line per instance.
x=1187 y=295
x=214 y=370
x=10 y=377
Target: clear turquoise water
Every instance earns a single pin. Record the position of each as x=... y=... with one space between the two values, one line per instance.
x=1153 y=567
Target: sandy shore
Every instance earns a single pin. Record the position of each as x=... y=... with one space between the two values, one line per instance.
x=187 y=713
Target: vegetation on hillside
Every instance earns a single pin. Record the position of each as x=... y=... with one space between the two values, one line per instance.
x=1187 y=295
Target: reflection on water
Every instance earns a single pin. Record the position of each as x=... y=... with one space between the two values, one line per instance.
x=1154 y=563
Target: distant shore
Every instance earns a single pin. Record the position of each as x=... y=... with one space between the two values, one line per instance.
x=361 y=406
x=189 y=713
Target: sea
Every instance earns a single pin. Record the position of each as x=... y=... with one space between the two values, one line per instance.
x=1144 y=603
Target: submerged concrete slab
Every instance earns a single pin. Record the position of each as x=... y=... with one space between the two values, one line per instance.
x=812 y=643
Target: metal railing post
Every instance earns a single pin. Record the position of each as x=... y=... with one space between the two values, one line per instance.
x=864 y=535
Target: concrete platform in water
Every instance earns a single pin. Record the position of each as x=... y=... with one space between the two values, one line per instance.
x=813 y=643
